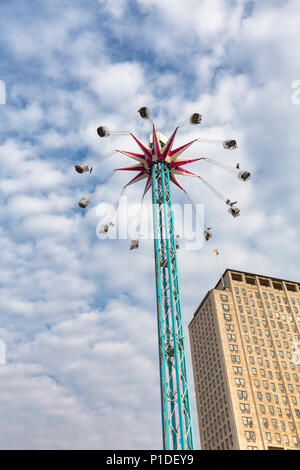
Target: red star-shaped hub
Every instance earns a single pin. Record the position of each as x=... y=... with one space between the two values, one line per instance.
x=159 y=151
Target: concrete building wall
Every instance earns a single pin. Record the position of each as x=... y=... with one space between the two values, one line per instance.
x=247 y=383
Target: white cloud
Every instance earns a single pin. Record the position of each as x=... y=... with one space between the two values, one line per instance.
x=116 y=8
x=78 y=314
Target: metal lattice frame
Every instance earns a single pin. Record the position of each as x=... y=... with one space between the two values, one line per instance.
x=175 y=400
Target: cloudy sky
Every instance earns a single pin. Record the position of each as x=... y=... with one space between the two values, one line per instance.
x=78 y=314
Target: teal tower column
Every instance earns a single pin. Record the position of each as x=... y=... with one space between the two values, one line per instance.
x=177 y=427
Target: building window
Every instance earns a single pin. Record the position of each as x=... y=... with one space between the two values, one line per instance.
x=242 y=395
x=245 y=408
x=264 y=282
x=291 y=426
x=250 y=436
x=231 y=337
x=236 y=277
x=247 y=421
x=268 y=396
x=240 y=382
x=236 y=359
x=229 y=327
x=291 y=287
x=277 y=437
x=274 y=423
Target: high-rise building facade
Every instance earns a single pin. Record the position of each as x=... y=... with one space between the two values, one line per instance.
x=246 y=373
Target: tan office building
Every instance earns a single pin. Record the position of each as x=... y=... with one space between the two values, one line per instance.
x=244 y=338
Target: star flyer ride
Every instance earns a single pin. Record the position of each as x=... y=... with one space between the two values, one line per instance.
x=159 y=164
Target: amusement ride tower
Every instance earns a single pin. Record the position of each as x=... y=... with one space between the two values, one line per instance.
x=159 y=164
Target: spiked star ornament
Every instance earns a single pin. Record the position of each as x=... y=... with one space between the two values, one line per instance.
x=159 y=150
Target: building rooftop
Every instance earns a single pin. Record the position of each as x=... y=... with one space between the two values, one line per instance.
x=276 y=279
